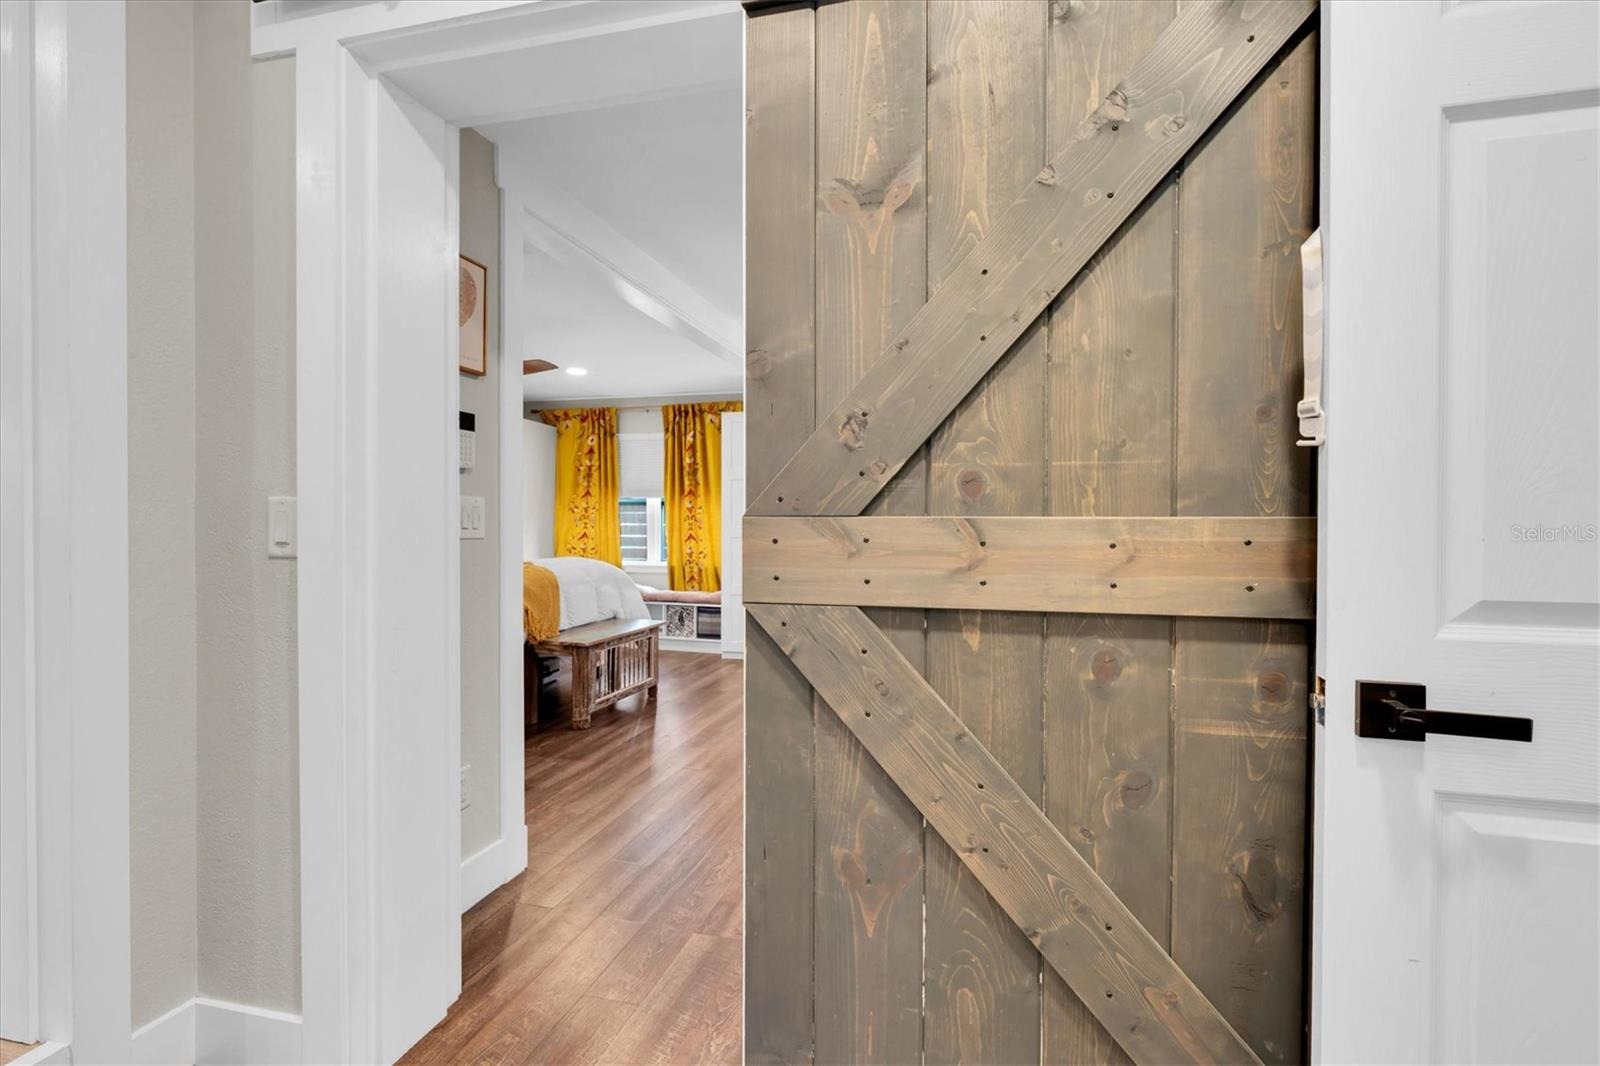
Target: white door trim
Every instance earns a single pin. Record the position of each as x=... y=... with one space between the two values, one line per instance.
x=513 y=801
x=341 y=629
x=64 y=490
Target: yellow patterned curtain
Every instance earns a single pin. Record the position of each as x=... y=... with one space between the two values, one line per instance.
x=693 y=477
x=586 y=482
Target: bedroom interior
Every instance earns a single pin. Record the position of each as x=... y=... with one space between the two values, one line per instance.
x=626 y=466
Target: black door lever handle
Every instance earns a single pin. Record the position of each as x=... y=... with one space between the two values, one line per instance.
x=1389 y=710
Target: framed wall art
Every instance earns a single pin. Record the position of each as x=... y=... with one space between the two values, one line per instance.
x=474 y=318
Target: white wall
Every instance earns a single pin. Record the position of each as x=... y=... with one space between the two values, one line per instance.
x=538 y=490
x=480 y=559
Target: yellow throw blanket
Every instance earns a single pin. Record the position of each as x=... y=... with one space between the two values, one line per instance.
x=541 y=603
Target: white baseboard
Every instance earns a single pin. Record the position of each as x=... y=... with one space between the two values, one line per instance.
x=733 y=653
x=170 y=1038
x=493 y=867
x=691 y=644
x=49 y=1053
x=205 y=1031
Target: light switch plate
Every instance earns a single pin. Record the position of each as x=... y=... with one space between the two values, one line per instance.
x=281 y=535
x=472 y=518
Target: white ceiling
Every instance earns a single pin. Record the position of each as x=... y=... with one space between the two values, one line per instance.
x=633 y=257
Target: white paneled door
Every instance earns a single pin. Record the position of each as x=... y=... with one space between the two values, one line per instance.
x=1458 y=900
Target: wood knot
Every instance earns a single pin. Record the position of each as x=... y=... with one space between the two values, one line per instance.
x=1266 y=412
x=758 y=363
x=852 y=430
x=1175 y=124
x=1135 y=788
x=1065 y=10
x=1105 y=666
x=1047 y=176
x=972 y=484
x=1273 y=687
x=1114 y=108
x=1255 y=876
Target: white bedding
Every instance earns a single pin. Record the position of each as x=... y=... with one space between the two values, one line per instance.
x=592 y=591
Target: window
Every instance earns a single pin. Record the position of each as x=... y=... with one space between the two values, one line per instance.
x=643 y=535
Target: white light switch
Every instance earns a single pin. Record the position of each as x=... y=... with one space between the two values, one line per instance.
x=281 y=527
x=472 y=522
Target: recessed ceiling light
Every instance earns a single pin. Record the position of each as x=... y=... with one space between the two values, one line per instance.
x=576 y=371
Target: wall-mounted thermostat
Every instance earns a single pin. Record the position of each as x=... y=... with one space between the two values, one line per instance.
x=469 y=440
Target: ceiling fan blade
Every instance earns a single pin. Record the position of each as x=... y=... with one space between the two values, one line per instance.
x=537 y=366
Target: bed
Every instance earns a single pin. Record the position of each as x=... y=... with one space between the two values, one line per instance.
x=593 y=614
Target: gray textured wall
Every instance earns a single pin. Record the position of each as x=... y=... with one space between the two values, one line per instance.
x=215 y=858
x=248 y=872
x=480 y=559
x=161 y=505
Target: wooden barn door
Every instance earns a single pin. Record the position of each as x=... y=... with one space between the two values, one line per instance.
x=1026 y=543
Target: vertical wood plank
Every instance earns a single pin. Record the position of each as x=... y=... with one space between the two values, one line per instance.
x=1107 y=721
x=780 y=228
x=1246 y=202
x=986 y=141
x=780 y=368
x=870 y=279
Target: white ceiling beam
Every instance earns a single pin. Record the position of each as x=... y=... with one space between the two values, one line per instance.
x=529 y=25
x=554 y=216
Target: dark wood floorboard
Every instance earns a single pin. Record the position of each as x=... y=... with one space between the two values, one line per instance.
x=621 y=942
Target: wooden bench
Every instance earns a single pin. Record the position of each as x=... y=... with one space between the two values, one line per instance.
x=610 y=660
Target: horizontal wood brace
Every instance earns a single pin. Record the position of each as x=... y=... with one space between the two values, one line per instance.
x=1195 y=567
x=1082 y=930
x=1141 y=130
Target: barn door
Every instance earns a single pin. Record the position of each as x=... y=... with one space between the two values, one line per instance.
x=1026 y=543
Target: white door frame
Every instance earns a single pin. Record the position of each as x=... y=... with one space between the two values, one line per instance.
x=65 y=915
x=340 y=622
x=513 y=327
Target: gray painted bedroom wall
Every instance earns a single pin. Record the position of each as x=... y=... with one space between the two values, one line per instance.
x=480 y=559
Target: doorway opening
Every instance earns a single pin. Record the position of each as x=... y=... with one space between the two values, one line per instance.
x=601 y=471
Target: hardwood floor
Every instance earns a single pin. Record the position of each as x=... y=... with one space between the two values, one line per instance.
x=10 y=1049
x=621 y=943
